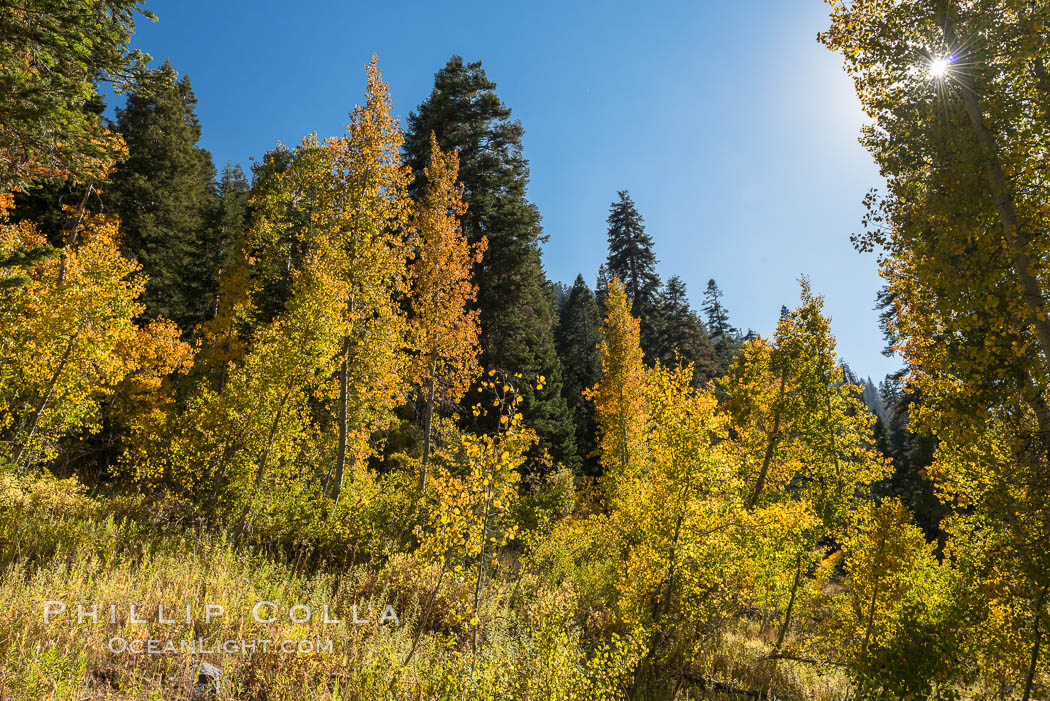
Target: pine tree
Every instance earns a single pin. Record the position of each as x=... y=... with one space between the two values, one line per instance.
x=516 y=309
x=631 y=259
x=725 y=338
x=578 y=336
x=912 y=454
x=681 y=338
x=263 y=244
x=229 y=222
x=54 y=205
x=275 y=259
x=560 y=292
x=717 y=316
x=52 y=58
x=165 y=195
x=601 y=285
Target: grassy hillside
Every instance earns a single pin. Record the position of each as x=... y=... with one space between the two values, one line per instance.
x=60 y=545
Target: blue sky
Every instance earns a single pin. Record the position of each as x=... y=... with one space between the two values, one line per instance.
x=733 y=129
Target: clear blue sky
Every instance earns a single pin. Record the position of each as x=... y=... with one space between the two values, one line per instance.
x=733 y=129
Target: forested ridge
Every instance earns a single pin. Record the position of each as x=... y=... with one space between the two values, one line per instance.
x=344 y=381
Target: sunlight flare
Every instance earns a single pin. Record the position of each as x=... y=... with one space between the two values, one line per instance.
x=939 y=66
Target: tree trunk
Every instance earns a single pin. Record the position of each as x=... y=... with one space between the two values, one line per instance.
x=46 y=398
x=242 y=524
x=791 y=606
x=428 y=420
x=481 y=576
x=340 y=460
x=71 y=236
x=1030 y=678
x=625 y=457
x=1042 y=415
x=774 y=438
x=871 y=615
x=661 y=602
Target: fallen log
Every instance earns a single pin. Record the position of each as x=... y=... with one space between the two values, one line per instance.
x=707 y=684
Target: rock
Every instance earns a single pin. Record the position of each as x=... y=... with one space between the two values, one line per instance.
x=207 y=684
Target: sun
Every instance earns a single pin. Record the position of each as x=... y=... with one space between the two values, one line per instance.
x=939 y=66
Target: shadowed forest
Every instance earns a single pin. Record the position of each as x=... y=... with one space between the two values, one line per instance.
x=342 y=385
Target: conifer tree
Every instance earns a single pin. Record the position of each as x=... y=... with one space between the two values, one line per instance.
x=578 y=337
x=230 y=220
x=517 y=312
x=717 y=316
x=52 y=58
x=263 y=236
x=53 y=204
x=601 y=286
x=724 y=337
x=912 y=454
x=631 y=259
x=682 y=339
x=164 y=193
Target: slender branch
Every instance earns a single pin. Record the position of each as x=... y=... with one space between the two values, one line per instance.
x=805 y=660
